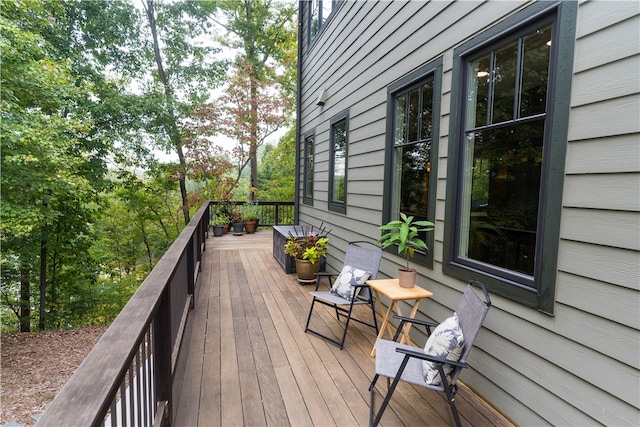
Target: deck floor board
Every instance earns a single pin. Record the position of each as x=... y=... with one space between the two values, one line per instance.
x=249 y=362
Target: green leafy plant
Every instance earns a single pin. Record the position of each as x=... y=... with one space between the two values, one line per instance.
x=220 y=219
x=405 y=233
x=307 y=244
x=251 y=211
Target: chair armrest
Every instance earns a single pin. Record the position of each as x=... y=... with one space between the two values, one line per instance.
x=419 y=354
x=416 y=321
x=404 y=320
x=325 y=274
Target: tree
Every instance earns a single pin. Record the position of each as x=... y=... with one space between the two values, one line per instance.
x=264 y=33
x=49 y=160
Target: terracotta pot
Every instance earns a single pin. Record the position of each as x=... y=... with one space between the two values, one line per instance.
x=306 y=271
x=407 y=278
x=250 y=226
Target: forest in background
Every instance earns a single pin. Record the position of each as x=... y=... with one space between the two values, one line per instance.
x=92 y=93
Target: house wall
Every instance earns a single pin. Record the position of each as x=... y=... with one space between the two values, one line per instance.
x=580 y=366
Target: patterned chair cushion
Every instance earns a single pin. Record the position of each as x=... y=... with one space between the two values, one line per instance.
x=447 y=342
x=349 y=276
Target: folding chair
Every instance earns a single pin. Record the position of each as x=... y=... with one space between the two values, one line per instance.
x=455 y=336
x=361 y=263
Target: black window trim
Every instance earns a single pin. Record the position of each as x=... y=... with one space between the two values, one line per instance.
x=542 y=295
x=339 y=207
x=306 y=198
x=433 y=70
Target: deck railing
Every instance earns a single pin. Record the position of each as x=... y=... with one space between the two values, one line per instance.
x=127 y=379
x=271 y=213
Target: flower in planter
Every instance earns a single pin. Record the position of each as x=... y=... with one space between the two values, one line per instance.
x=307 y=245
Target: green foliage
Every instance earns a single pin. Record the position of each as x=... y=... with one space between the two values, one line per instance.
x=81 y=86
x=405 y=233
x=259 y=94
x=310 y=247
x=277 y=169
x=251 y=211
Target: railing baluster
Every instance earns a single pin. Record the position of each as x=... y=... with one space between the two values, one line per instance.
x=145 y=379
x=138 y=404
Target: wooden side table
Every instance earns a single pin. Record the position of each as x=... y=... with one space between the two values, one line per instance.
x=392 y=290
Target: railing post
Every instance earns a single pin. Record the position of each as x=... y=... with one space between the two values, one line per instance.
x=162 y=347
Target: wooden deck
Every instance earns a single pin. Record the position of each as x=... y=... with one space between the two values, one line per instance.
x=249 y=362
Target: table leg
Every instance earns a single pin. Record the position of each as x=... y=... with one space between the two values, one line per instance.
x=405 y=331
x=385 y=324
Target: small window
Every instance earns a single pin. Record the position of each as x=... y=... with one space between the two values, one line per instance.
x=319 y=12
x=338 y=153
x=412 y=133
x=308 y=169
x=512 y=115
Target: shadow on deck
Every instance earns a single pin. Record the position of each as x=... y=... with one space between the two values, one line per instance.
x=247 y=360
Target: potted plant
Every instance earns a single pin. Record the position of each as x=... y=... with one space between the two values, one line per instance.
x=237 y=221
x=218 y=222
x=224 y=208
x=405 y=233
x=307 y=247
x=251 y=212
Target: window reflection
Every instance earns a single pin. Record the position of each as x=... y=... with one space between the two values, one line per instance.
x=503 y=155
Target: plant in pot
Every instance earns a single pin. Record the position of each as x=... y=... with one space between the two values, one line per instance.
x=237 y=221
x=405 y=232
x=307 y=248
x=217 y=223
x=251 y=213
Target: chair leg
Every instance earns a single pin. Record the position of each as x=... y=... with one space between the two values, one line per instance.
x=346 y=326
x=390 y=391
x=371 y=395
x=373 y=312
x=306 y=327
x=450 y=390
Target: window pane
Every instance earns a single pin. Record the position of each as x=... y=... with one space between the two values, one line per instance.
x=401 y=120
x=412 y=120
x=308 y=173
x=427 y=110
x=340 y=162
x=314 y=18
x=414 y=180
x=478 y=92
x=535 y=72
x=326 y=9
x=504 y=83
x=500 y=214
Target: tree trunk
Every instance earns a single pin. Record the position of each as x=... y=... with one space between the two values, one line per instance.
x=176 y=139
x=43 y=277
x=25 y=297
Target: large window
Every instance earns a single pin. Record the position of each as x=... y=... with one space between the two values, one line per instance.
x=412 y=134
x=319 y=12
x=308 y=168
x=338 y=153
x=503 y=202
